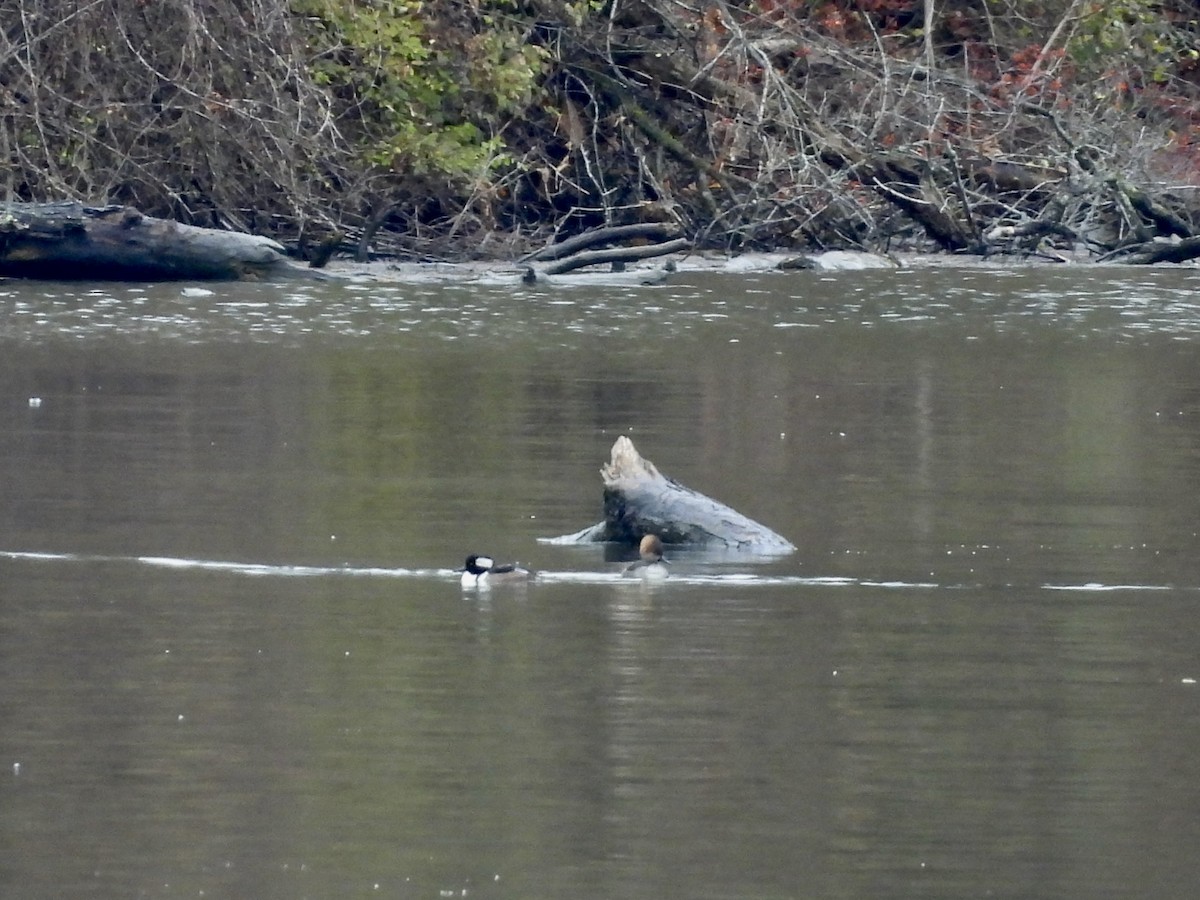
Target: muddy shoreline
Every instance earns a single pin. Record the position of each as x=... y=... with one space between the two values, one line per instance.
x=642 y=274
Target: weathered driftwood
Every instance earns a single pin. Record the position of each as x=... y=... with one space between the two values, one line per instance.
x=654 y=231
x=615 y=255
x=1035 y=228
x=839 y=261
x=640 y=500
x=573 y=253
x=1152 y=252
x=69 y=240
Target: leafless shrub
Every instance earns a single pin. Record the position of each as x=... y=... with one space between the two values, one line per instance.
x=752 y=124
x=199 y=109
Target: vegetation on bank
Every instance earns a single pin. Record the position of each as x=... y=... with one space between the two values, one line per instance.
x=452 y=128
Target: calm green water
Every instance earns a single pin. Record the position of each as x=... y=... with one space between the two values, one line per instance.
x=236 y=662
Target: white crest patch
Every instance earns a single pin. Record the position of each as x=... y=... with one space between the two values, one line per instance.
x=484 y=562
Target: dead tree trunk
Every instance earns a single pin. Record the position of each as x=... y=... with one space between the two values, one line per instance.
x=117 y=243
x=573 y=254
x=909 y=184
x=1153 y=252
x=640 y=500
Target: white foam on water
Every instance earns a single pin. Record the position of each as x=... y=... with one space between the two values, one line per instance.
x=1096 y=586
x=727 y=579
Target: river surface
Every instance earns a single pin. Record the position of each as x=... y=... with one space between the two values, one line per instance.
x=235 y=659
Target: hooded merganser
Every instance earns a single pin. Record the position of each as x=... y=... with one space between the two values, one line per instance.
x=652 y=566
x=482 y=571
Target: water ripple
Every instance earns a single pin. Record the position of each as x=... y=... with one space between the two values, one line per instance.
x=1114 y=301
x=749 y=580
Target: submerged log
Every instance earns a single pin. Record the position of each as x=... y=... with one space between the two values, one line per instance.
x=117 y=243
x=640 y=500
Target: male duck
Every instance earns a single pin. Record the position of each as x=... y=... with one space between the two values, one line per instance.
x=482 y=571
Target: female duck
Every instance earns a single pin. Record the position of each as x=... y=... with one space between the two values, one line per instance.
x=652 y=566
x=482 y=572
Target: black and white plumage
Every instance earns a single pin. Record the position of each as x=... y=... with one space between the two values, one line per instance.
x=481 y=571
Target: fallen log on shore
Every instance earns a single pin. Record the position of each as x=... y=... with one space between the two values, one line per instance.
x=577 y=253
x=640 y=500
x=646 y=231
x=619 y=255
x=1152 y=252
x=117 y=243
